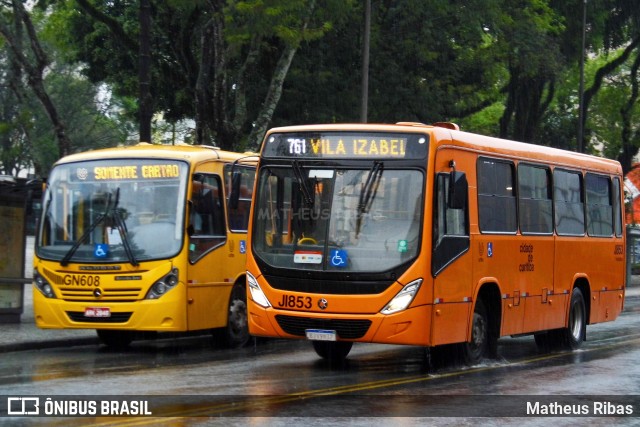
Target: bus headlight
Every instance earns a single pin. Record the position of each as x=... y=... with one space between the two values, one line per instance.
x=256 y=293
x=163 y=285
x=42 y=285
x=402 y=300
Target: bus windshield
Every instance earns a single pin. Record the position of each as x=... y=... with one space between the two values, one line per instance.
x=333 y=219
x=117 y=210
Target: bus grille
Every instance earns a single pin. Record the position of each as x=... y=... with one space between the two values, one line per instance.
x=78 y=316
x=328 y=287
x=113 y=294
x=347 y=329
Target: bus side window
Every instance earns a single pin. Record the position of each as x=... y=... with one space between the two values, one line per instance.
x=450 y=228
x=238 y=216
x=617 y=210
x=569 y=202
x=534 y=195
x=209 y=230
x=599 y=205
x=496 y=196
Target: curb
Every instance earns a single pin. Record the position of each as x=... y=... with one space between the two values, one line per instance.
x=40 y=345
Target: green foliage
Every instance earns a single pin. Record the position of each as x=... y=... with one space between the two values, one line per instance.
x=496 y=67
x=88 y=127
x=484 y=122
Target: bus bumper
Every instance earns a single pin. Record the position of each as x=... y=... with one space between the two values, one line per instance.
x=411 y=326
x=164 y=314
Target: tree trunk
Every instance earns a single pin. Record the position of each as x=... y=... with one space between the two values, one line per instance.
x=217 y=120
x=525 y=106
x=272 y=98
x=507 y=114
x=145 y=103
x=275 y=89
x=603 y=72
x=629 y=149
x=9 y=104
x=35 y=71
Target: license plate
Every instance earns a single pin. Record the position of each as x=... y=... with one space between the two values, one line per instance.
x=321 y=335
x=97 y=312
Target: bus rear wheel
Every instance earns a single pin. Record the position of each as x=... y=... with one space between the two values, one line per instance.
x=575 y=333
x=333 y=351
x=236 y=333
x=115 y=339
x=571 y=337
x=476 y=349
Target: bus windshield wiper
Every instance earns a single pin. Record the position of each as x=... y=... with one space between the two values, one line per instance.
x=122 y=229
x=368 y=193
x=86 y=234
x=302 y=183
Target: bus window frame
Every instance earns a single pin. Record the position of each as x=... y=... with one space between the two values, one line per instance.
x=519 y=197
x=444 y=254
x=229 y=170
x=618 y=220
x=193 y=237
x=587 y=217
x=582 y=200
x=514 y=189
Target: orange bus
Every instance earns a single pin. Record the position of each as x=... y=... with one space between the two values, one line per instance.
x=142 y=239
x=426 y=235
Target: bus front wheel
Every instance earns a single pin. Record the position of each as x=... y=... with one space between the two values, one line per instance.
x=476 y=349
x=236 y=333
x=333 y=351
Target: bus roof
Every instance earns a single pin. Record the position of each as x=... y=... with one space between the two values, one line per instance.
x=448 y=134
x=375 y=127
x=527 y=152
x=195 y=153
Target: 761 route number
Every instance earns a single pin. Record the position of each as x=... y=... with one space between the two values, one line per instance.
x=292 y=301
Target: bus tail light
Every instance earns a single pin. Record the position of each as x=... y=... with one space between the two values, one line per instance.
x=256 y=293
x=403 y=298
x=163 y=285
x=42 y=285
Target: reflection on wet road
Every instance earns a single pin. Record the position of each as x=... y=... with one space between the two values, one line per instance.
x=286 y=378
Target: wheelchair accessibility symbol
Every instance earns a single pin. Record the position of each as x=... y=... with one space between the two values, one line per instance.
x=338 y=258
x=101 y=250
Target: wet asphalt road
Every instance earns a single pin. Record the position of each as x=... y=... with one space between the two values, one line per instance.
x=272 y=379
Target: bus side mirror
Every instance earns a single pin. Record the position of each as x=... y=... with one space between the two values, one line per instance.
x=457 y=190
x=234 y=196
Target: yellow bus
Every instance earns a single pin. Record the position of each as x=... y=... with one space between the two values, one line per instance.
x=427 y=235
x=142 y=239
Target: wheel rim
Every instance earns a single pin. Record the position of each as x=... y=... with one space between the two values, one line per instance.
x=577 y=320
x=478 y=334
x=238 y=320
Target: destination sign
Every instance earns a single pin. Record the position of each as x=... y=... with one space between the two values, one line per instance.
x=124 y=170
x=347 y=145
x=136 y=172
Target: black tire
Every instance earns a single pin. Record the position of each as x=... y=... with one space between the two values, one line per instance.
x=478 y=348
x=575 y=333
x=571 y=337
x=333 y=351
x=115 y=339
x=236 y=333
